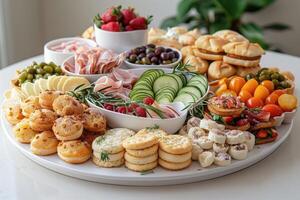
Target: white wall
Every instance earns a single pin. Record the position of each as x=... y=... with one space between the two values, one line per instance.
x=30 y=23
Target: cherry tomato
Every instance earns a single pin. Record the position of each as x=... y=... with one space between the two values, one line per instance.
x=273 y=109
x=250 y=85
x=279 y=92
x=228 y=119
x=236 y=84
x=148 y=100
x=244 y=95
x=287 y=102
x=141 y=112
x=221 y=89
x=272 y=99
x=261 y=92
x=268 y=84
x=262 y=134
x=254 y=102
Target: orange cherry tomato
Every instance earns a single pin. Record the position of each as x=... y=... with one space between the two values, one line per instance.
x=279 y=92
x=254 y=102
x=273 y=109
x=250 y=85
x=268 y=84
x=261 y=92
x=236 y=84
x=244 y=95
x=272 y=99
x=221 y=89
x=287 y=102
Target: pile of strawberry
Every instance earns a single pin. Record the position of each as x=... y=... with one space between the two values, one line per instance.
x=116 y=19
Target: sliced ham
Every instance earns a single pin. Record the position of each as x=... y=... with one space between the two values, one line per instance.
x=128 y=78
x=167 y=111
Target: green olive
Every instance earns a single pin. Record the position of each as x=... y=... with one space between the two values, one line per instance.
x=275 y=82
x=249 y=76
x=281 y=77
x=264 y=72
x=275 y=76
x=23 y=75
x=40 y=71
x=261 y=70
x=21 y=80
x=36 y=67
x=48 y=69
x=46 y=75
x=58 y=70
x=29 y=76
x=42 y=64
x=284 y=84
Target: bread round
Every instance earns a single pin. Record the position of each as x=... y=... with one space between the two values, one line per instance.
x=23 y=132
x=219 y=69
x=230 y=36
x=186 y=39
x=245 y=49
x=140 y=160
x=67 y=105
x=186 y=51
x=195 y=64
x=143 y=152
x=44 y=143
x=140 y=142
x=108 y=164
x=42 y=120
x=141 y=168
x=74 y=151
x=173 y=158
x=13 y=113
x=175 y=144
x=210 y=43
x=174 y=166
x=243 y=71
x=29 y=105
x=207 y=55
x=159 y=133
x=67 y=128
x=224 y=111
x=244 y=127
x=109 y=143
x=241 y=62
x=47 y=97
x=93 y=120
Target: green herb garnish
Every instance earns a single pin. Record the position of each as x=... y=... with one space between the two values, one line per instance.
x=147 y=172
x=104 y=156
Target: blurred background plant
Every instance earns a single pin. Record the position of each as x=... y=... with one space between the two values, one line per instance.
x=213 y=15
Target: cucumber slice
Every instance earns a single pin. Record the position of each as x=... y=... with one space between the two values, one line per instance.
x=202 y=88
x=178 y=79
x=185 y=98
x=165 y=81
x=183 y=78
x=191 y=89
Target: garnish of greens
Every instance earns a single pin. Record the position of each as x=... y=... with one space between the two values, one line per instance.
x=153 y=127
x=147 y=172
x=104 y=156
x=87 y=94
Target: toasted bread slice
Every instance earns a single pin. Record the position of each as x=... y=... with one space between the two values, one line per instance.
x=241 y=128
x=223 y=111
x=268 y=124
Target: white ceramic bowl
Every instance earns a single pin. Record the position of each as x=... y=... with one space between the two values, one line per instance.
x=90 y=77
x=120 y=41
x=59 y=57
x=286 y=117
x=171 y=65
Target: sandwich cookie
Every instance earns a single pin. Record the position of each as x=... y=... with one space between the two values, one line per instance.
x=222 y=159
x=174 y=158
x=143 y=152
x=140 y=141
x=42 y=120
x=208 y=124
x=218 y=148
x=250 y=140
x=23 y=132
x=106 y=163
x=174 y=166
x=217 y=136
x=141 y=168
x=175 y=144
x=93 y=120
x=44 y=144
x=235 y=137
x=74 y=151
x=141 y=160
x=66 y=105
x=238 y=151
x=67 y=128
x=206 y=158
x=205 y=143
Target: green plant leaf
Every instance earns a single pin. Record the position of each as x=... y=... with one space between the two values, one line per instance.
x=254 y=33
x=233 y=8
x=204 y=7
x=218 y=25
x=169 y=22
x=256 y=5
x=184 y=7
x=277 y=27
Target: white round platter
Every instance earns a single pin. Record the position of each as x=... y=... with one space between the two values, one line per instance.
x=123 y=176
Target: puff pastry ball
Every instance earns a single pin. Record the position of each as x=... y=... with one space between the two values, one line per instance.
x=93 y=120
x=67 y=128
x=23 y=132
x=67 y=105
x=47 y=97
x=196 y=64
x=29 y=105
x=42 y=120
x=44 y=144
x=219 y=69
x=75 y=151
x=13 y=113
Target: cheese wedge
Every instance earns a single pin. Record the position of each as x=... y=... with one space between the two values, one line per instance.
x=53 y=81
x=27 y=88
x=61 y=82
x=72 y=82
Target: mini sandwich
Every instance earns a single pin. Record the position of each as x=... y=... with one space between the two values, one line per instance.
x=230 y=36
x=210 y=47
x=244 y=54
x=227 y=110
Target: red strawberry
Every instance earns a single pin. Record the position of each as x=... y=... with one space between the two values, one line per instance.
x=112 y=14
x=111 y=26
x=140 y=23
x=141 y=112
x=128 y=15
x=121 y=109
x=129 y=28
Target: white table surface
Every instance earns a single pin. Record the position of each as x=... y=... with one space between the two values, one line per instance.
x=276 y=177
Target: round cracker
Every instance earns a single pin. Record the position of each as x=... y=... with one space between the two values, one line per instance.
x=174 y=166
x=153 y=131
x=109 y=143
x=108 y=164
x=175 y=144
x=179 y=158
x=141 y=168
x=143 y=152
x=109 y=157
x=140 y=141
x=140 y=160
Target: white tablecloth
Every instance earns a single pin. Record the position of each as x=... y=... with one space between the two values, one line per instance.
x=276 y=177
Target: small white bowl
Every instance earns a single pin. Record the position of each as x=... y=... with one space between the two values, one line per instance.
x=171 y=65
x=59 y=57
x=286 y=117
x=120 y=41
x=90 y=77
x=119 y=120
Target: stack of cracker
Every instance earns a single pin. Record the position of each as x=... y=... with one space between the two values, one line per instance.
x=141 y=151
x=175 y=152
